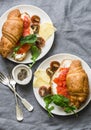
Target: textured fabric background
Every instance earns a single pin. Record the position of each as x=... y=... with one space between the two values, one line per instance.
x=72 y=18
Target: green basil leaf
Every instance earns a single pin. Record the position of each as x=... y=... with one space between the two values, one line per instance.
x=30 y=39
x=69 y=109
x=48 y=99
x=58 y=100
x=35 y=51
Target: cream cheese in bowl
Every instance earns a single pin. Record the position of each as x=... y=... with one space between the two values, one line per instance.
x=22 y=74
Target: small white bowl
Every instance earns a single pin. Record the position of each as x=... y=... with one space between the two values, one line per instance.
x=16 y=70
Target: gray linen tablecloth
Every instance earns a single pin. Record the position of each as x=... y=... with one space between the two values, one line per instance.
x=72 y=18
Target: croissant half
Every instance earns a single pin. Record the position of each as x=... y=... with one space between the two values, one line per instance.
x=77 y=83
x=11 y=32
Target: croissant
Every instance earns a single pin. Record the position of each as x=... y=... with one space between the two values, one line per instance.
x=77 y=83
x=12 y=30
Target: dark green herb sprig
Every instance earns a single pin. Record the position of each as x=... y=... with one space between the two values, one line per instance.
x=58 y=100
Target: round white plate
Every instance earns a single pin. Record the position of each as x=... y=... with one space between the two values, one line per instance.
x=31 y=10
x=60 y=57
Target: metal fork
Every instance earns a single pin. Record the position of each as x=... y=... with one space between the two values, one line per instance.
x=4 y=80
x=19 y=113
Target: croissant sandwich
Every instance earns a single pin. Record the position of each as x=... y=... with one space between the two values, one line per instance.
x=77 y=83
x=12 y=30
x=71 y=81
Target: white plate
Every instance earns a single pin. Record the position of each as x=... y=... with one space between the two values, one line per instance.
x=60 y=57
x=31 y=10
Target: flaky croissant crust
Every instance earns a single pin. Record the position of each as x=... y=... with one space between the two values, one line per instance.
x=11 y=32
x=77 y=83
